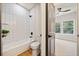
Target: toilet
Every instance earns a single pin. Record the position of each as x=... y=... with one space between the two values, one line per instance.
x=35 y=48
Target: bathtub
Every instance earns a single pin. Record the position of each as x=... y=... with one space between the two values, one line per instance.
x=14 y=49
x=65 y=48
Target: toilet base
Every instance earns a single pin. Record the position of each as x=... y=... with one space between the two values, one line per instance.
x=35 y=52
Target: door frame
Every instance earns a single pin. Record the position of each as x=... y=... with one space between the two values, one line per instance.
x=46 y=29
x=47 y=17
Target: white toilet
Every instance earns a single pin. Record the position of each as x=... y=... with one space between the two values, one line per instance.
x=35 y=48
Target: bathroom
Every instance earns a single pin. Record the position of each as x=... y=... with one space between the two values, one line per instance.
x=66 y=37
x=22 y=21
x=39 y=29
x=62 y=29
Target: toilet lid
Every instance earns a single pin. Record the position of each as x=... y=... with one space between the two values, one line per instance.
x=35 y=44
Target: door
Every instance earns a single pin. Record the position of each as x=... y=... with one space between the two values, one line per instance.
x=50 y=27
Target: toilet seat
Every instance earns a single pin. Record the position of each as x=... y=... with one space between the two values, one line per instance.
x=35 y=45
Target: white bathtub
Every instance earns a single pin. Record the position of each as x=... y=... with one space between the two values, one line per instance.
x=65 y=48
x=14 y=49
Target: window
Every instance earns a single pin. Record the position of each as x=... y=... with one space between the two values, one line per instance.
x=57 y=27
x=68 y=27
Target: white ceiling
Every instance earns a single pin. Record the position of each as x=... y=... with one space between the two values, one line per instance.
x=28 y=5
x=65 y=6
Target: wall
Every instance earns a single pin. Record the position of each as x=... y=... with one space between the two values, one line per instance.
x=67 y=17
x=0 y=29
x=78 y=29
x=43 y=22
x=66 y=44
x=16 y=19
x=35 y=22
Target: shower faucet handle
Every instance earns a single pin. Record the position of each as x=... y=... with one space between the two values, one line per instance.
x=40 y=35
x=30 y=36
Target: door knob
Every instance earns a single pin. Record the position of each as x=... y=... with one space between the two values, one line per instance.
x=77 y=35
x=49 y=36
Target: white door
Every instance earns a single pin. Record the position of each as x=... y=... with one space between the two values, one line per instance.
x=51 y=35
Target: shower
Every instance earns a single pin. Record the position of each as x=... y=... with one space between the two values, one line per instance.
x=23 y=21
